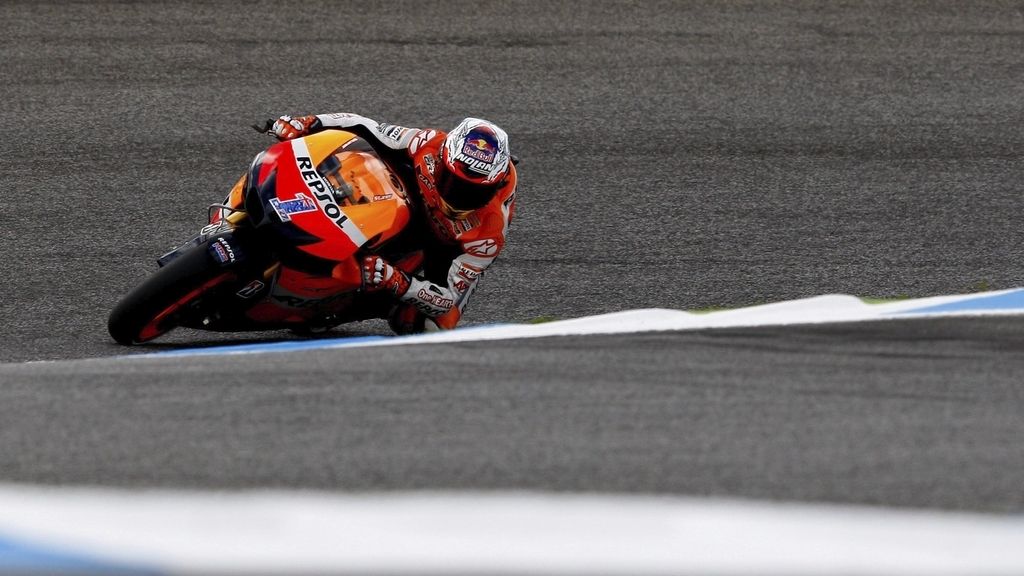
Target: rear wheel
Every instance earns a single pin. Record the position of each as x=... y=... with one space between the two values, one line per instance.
x=161 y=302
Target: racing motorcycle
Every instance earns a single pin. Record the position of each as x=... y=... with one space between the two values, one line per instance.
x=284 y=249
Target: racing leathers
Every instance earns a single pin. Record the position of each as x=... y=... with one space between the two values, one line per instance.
x=461 y=244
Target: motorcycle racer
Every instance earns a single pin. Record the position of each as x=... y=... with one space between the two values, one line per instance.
x=464 y=185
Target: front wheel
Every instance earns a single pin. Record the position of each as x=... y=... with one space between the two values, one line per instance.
x=159 y=304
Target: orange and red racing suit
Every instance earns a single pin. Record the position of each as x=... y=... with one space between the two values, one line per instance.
x=463 y=245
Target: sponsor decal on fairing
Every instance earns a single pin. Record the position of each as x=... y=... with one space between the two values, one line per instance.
x=301 y=203
x=222 y=251
x=324 y=193
x=251 y=289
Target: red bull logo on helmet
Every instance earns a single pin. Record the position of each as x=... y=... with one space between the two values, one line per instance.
x=480 y=146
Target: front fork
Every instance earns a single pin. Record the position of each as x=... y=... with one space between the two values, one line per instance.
x=218 y=225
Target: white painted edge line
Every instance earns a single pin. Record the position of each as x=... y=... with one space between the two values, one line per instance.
x=815 y=310
x=504 y=532
x=832 y=308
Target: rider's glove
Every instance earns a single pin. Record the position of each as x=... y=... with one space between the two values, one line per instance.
x=379 y=275
x=287 y=128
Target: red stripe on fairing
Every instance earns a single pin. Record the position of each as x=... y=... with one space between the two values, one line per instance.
x=270 y=159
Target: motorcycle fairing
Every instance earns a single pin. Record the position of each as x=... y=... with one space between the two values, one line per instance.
x=359 y=200
x=285 y=247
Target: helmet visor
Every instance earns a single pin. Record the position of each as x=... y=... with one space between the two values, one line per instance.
x=462 y=195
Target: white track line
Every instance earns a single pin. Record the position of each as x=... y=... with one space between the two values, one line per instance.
x=816 y=310
x=518 y=533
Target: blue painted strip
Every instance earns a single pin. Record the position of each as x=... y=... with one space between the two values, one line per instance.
x=288 y=346
x=1000 y=302
x=21 y=557
x=300 y=345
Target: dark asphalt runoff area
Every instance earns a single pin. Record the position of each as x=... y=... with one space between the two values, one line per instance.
x=674 y=154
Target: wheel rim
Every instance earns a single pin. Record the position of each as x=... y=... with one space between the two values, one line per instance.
x=154 y=327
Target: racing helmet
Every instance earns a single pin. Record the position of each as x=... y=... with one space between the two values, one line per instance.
x=474 y=165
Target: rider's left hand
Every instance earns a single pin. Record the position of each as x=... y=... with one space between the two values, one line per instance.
x=379 y=275
x=288 y=128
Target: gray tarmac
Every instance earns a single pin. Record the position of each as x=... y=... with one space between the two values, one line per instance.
x=674 y=154
x=926 y=414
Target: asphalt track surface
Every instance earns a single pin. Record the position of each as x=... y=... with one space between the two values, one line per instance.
x=675 y=154
x=925 y=416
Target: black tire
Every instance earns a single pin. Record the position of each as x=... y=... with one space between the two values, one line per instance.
x=155 y=306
